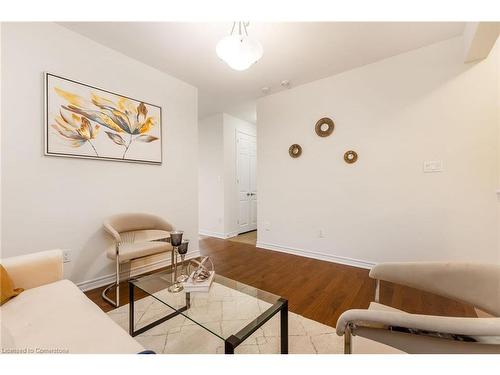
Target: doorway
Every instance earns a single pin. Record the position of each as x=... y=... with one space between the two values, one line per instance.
x=246 y=167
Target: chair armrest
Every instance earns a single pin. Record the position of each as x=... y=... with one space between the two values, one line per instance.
x=108 y=228
x=431 y=323
x=32 y=270
x=474 y=283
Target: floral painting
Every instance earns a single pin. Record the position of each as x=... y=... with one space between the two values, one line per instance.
x=84 y=121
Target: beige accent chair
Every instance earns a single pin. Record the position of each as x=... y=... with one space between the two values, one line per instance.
x=136 y=236
x=475 y=284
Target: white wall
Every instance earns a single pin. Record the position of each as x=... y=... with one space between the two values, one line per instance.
x=50 y=202
x=1 y=26
x=218 y=190
x=422 y=105
x=211 y=175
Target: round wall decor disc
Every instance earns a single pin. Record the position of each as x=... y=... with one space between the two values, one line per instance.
x=295 y=150
x=324 y=127
x=350 y=157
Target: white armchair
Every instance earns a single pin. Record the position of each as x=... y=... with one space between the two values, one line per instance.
x=132 y=237
x=476 y=284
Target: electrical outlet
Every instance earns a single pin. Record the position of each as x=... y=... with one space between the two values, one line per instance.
x=321 y=233
x=267 y=226
x=66 y=256
x=432 y=166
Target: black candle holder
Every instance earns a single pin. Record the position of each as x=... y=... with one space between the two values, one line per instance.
x=175 y=241
x=182 y=250
x=176 y=237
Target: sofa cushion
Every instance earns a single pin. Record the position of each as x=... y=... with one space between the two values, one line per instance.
x=129 y=251
x=58 y=317
x=6 y=339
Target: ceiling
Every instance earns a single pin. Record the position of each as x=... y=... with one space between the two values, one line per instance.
x=299 y=52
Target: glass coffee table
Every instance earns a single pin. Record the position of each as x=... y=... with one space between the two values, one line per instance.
x=240 y=309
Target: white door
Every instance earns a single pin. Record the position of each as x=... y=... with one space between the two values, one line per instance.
x=246 y=154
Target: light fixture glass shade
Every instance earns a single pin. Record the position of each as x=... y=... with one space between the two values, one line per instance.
x=238 y=51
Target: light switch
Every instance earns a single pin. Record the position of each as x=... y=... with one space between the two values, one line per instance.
x=433 y=166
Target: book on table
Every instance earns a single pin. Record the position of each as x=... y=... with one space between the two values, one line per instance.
x=198 y=286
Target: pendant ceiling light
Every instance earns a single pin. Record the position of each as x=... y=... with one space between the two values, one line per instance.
x=239 y=51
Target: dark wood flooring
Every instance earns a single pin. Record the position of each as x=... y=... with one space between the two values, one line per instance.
x=315 y=289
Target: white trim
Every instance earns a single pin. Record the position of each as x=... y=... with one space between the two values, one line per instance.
x=232 y=234
x=211 y=234
x=108 y=279
x=217 y=234
x=316 y=255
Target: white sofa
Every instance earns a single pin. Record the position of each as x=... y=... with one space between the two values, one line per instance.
x=52 y=315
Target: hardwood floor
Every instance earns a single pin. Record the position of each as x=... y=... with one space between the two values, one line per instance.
x=315 y=289
x=95 y=296
x=249 y=238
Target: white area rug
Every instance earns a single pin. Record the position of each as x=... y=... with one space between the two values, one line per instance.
x=224 y=311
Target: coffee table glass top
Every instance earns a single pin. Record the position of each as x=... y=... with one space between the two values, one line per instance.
x=226 y=309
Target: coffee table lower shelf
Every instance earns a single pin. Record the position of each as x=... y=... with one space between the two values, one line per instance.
x=233 y=341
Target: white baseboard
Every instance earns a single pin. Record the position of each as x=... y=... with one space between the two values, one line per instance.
x=217 y=234
x=108 y=279
x=231 y=234
x=211 y=234
x=316 y=255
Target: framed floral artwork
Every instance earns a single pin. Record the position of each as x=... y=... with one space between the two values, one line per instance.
x=84 y=121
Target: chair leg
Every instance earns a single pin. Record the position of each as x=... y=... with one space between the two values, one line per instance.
x=116 y=284
x=347 y=340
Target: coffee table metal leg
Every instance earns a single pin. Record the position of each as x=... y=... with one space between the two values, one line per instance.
x=131 y=309
x=282 y=306
x=230 y=344
x=284 y=326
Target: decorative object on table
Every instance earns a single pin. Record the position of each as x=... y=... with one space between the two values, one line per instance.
x=295 y=150
x=324 y=127
x=127 y=248
x=201 y=285
x=182 y=250
x=87 y=122
x=176 y=241
x=176 y=237
x=203 y=268
x=350 y=157
x=201 y=273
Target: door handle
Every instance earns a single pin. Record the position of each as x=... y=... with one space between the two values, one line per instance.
x=248 y=194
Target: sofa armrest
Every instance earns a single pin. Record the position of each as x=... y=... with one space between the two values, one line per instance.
x=32 y=270
x=431 y=323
